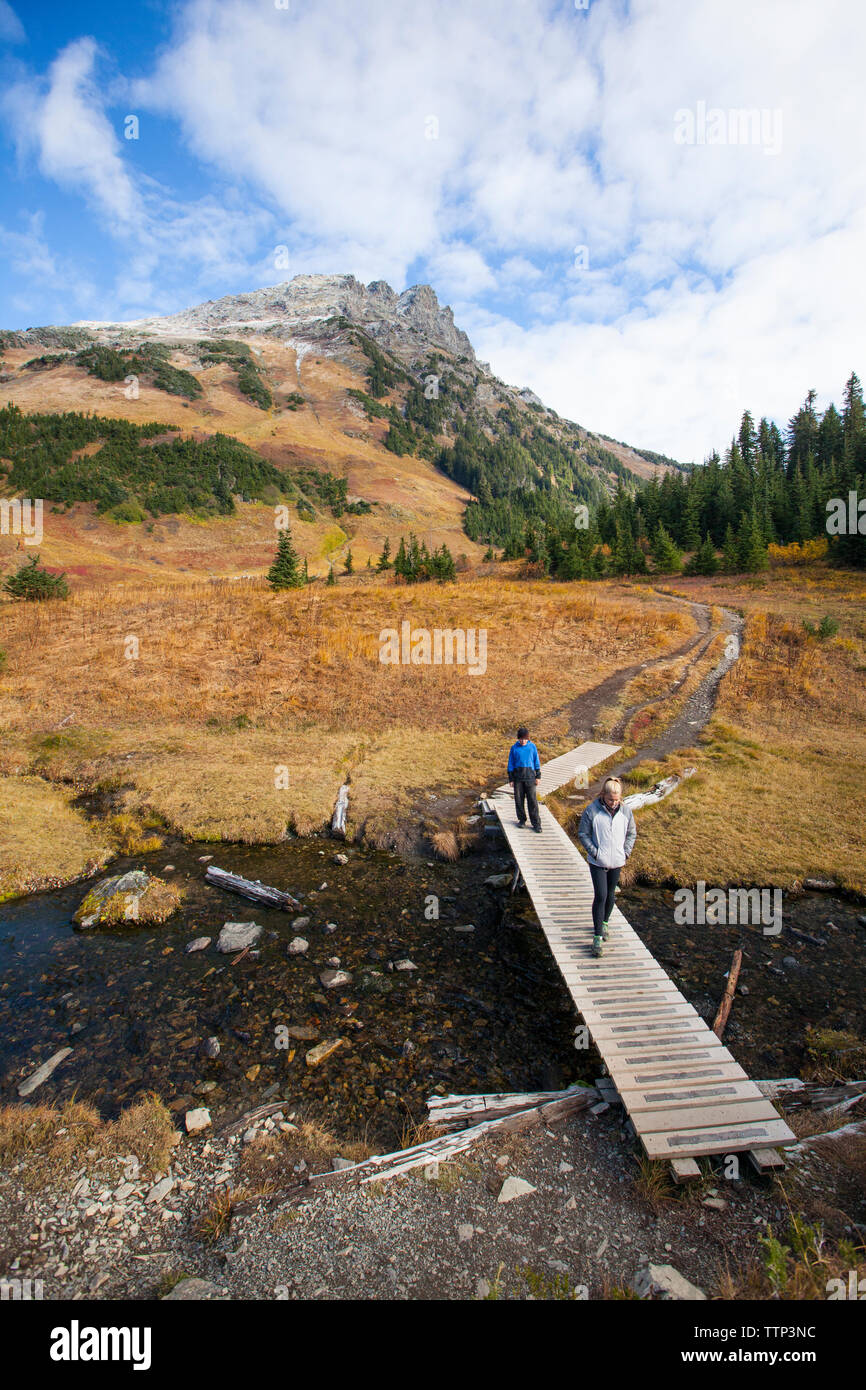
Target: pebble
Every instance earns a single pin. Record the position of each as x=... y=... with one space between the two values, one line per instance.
x=236 y=936
x=300 y=922
x=200 y=943
x=332 y=979
x=465 y=1232
x=211 y=1047
x=197 y=1120
x=297 y=946
x=341 y=858
x=160 y=1190
x=405 y=965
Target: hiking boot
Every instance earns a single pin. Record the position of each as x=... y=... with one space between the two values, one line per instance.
x=537 y=829
x=597 y=945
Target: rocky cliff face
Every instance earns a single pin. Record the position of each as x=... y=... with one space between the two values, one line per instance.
x=408 y=324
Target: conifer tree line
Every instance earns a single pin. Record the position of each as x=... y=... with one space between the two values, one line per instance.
x=412 y=563
x=769 y=488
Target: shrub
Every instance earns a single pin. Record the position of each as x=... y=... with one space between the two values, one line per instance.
x=32 y=583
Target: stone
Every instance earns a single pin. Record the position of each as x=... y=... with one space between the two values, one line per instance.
x=205 y=858
x=467 y=927
x=200 y=943
x=498 y=880
x=665 y=1282
x=42 y=1073
x=334 y=962
x=295 y=1030
x=338 y=1163
x=465 y=1232
x=332 y=979
x=236 y=936
x=324 y=1049
x=253 y=1072
x=715 y=1203
x=211 y=1047
x=298 y=946
x=160 y=1190
x=133 y=899
x=405 y=965
x=341 y=858
x=197 y=1120
x=513 y=1188
x=329 y=927
x=300 y=922
x=191 y=1289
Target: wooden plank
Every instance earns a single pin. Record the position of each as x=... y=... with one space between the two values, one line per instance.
x=684 y=1170
x=703 y=1116
x=688 y=1093
x=729 y=1139
x=767 y=1161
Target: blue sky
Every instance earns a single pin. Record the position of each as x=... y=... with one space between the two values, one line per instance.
x=576 y=182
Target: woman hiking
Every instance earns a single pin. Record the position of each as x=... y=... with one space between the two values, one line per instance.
x=607 y=832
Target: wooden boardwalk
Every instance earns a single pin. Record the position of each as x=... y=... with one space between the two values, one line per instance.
x=682 y=1089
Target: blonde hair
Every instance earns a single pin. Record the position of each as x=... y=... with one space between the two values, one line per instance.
x=611 y=782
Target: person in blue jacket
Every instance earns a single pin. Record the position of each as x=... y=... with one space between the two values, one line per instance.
x=524 y=772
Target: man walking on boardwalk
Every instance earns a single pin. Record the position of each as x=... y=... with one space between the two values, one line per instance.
x=524 y=772
x=607 y=832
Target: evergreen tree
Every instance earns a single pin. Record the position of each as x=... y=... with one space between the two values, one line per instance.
x=332 y=578
x=730 y=552
x=401 y=563
x=35 y=584
x=285 y=572
x=384 y=562
x=704 y=559
x=666 y=557
x=752 y=552
x=348 y=564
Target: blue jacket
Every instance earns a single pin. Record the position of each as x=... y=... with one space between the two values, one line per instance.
x=523 y=755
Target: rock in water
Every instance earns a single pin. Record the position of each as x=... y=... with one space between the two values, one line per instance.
x=42 y=1073
x=331 y=979
x=201 y=943
x=298 y=945
x=324 y=1049
x=133 y=899
x=236 y=936
x=197 y=1120
x=211 y=1047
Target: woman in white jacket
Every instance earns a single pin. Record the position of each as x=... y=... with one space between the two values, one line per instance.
x=607 y=832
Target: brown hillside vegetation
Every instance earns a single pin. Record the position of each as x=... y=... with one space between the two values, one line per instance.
x=233 y=681
x=330 y=432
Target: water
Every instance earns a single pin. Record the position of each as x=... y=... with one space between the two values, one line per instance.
x=485 y=1010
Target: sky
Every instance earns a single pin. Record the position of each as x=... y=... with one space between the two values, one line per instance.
x=651 y=212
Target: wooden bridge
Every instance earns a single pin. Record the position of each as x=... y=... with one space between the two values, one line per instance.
x=682 y=1089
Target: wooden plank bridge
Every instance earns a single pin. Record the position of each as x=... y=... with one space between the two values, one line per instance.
x=681 y=1088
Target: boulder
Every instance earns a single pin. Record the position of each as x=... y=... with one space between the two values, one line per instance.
x=236 y=936
x=665 y=1282
x=514 y=1187
x=199 y=1290
x=134 y=898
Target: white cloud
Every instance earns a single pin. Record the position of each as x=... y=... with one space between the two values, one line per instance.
x=718 y=276
x=11 y=28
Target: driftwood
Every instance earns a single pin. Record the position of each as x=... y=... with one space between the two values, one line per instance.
x=233 y=883
x=728 y=997
x=250 y=1118
x=801 y=1095
x=338 y=820
x=508 y=1113
x=804 y=936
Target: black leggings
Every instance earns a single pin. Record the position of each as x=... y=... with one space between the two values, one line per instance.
x=604 y=883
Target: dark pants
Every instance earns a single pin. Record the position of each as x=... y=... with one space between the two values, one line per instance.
x=604 y=883
x=524 y=795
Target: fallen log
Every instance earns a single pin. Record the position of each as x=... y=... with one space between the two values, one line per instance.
x=457 y=1112
x=258 y=891
x=804 y=936
x=381 y=1167
x=338 y=820
x=728 y=997
x=813 y=1095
